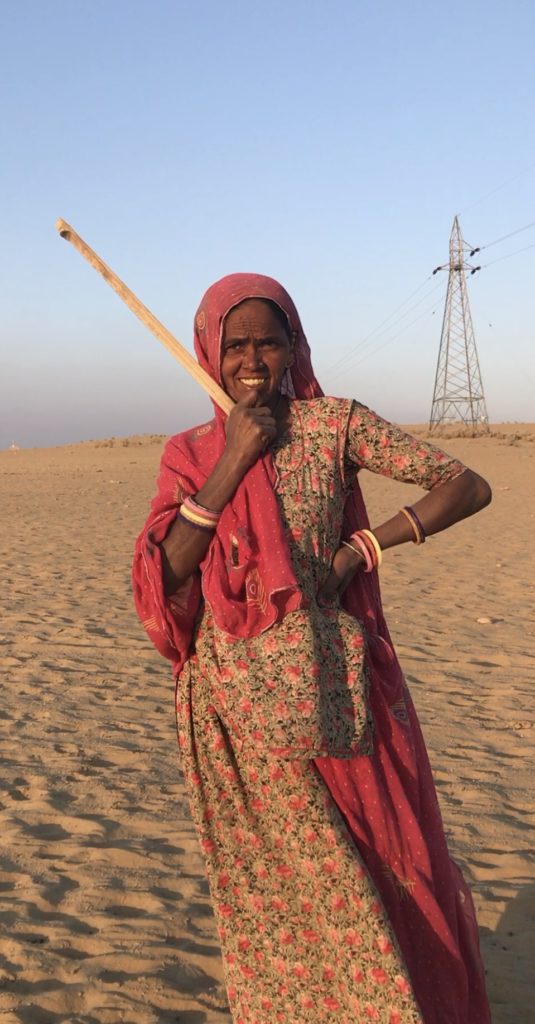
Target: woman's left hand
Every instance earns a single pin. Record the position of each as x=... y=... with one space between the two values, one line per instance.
x=345 y=564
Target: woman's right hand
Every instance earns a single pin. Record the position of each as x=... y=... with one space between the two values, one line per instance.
x=249 y=429
x=345 y=564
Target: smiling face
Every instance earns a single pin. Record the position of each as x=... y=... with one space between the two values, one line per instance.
x=255 y=351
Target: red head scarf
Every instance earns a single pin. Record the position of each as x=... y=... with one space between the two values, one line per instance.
x=217 y=303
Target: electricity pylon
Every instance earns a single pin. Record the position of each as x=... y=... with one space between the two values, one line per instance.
x=458 y=394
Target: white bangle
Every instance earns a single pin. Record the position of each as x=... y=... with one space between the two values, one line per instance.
x=356 y=551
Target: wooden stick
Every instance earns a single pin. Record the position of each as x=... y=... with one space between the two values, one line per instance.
x=184 y=357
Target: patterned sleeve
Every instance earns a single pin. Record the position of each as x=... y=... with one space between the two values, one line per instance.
x=375 y=444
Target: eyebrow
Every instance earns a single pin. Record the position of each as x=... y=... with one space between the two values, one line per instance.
x=271 y=336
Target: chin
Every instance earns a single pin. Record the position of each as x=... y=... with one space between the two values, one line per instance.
x=264 y=394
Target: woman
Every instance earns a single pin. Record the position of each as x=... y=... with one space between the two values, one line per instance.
x=309 y=782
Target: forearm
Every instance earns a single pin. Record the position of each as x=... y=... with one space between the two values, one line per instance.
x=249 y=428
x=441 y=507
x=185 y=546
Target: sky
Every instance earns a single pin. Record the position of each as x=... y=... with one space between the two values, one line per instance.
x=327 y=143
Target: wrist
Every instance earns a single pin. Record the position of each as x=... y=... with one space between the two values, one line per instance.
x=356 y=556
x=365 y=542
x=235 y=464
x=222 y=483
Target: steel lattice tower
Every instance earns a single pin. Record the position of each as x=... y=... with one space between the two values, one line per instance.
x=458 y=394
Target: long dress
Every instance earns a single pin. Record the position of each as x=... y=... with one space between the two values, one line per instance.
x=309 y=782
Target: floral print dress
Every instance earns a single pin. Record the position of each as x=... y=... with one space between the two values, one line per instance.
x=304 y=932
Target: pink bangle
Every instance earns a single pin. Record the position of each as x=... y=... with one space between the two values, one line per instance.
x=202 y=508
x=197 y=515
x=370 y=538
x=369 y=546
x=361 y=545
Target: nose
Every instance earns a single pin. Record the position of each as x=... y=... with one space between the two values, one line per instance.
x=252 y=358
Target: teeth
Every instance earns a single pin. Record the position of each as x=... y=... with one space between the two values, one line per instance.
x=252 y=382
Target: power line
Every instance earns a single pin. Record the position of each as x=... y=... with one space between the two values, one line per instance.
x=355 y=352
x=503 y=238
x=388 y=341
x=415 y=305
x=498 y=188
x=430 y=309
x=508 y=256
x=476 y=249
x=362 y=342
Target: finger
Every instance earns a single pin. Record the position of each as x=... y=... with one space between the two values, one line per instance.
x=265 y=424
x=268 y=434
x=248 y=400
x=346 y=580
x=262 y=413
x=328 y=589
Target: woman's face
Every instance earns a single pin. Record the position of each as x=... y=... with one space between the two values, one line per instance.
x=255 y=352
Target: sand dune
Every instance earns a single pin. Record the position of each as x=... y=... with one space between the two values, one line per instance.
x=104 y=911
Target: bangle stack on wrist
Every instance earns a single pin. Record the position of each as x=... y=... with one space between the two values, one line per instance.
x=198 y=516
x=365 y=544
x=417 y=526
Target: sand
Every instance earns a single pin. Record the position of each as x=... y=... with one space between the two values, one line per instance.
x=104 y=910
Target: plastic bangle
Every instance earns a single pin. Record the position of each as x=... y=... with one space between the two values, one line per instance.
x=360 y=542
x=188 y=512
x=191 y=522
x=418 y=530
x=419 y=524
x=202 y=508
x=416 y=539
x=369 y=547
x=377 y=546
x=190 y=505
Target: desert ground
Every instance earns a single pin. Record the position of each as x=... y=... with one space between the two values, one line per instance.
x=104 y=911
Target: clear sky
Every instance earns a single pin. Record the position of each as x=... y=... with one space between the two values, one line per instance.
x=329 y=144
